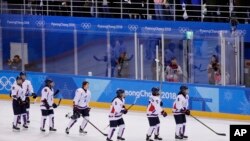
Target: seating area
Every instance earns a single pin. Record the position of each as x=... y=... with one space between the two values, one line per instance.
x=176 y=10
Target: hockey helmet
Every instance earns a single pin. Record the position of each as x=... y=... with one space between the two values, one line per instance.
x=155 y=91
x=18 y=78
x=119 y=92
x=22 y=73
x=183 y=87
x=48 y=81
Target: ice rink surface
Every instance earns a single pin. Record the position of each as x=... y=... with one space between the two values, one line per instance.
x=136 y=126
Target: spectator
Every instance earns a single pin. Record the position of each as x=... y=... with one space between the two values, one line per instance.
x=113 y=63
x=122 y=65
x=173 y=71
x=105 y=9
x=169 y=10
x=214 y=72
x=15 y=63
x=158 y=5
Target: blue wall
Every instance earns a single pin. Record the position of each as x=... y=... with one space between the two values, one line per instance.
x=233 y=100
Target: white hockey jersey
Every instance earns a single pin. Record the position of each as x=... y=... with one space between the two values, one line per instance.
x=181 y=103
x=47 y=94
x=27 y=87
x=17 y=92
x=116 y=108
x=154 y=107
x=82 y=98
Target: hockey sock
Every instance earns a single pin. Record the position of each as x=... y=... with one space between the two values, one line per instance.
x=24 y=116
x=151 y=130
x=157 y=129
x=28 y=114
x=183 y=128
x=111 y=132
x=178 y=129
x=84 y=123
x=71 y=123
x=43 y=121
x=19 y=119
x=51 y=120
x=16 y=118
x=121 y=130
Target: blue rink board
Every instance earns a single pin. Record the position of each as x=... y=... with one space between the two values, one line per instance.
x=232 y=100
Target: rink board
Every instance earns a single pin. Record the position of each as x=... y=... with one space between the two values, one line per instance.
x=210 y=101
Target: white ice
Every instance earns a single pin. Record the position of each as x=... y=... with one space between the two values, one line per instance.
x=136 y=126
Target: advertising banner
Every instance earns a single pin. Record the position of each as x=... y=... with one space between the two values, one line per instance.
x=232 y=100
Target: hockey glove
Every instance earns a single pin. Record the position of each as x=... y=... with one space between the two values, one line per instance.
x=34 y=95
x=187 y=112
x=75 y=116
x=124 y=111
x=75 y=109
x=19 y=101
x=183 y=110
x=54 y=105
x=164 y=114
x=46 y=104
x=57 y=91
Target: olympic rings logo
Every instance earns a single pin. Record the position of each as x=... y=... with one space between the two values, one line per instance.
x=132 y=27
x=183 y=29
x=6 y=83
x=242 y=32
x=40 y=23
x=86 y=25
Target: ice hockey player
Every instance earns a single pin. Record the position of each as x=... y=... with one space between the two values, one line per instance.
x=47 y=105
x=117 y=109
x=28 y=90
x=153 y=110
x=81 y=107
x=180 y=110
x=18 y=96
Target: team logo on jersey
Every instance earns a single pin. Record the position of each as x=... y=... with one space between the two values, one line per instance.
x=6 y=82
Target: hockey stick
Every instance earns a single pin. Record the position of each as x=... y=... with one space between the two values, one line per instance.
x=68 y=116
x=33 y=102
x=132 y=104
x=95 y=127
x=59 y=102
x=220 y=134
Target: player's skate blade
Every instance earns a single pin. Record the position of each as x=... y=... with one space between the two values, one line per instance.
x=120 y=139
x=52 y=129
